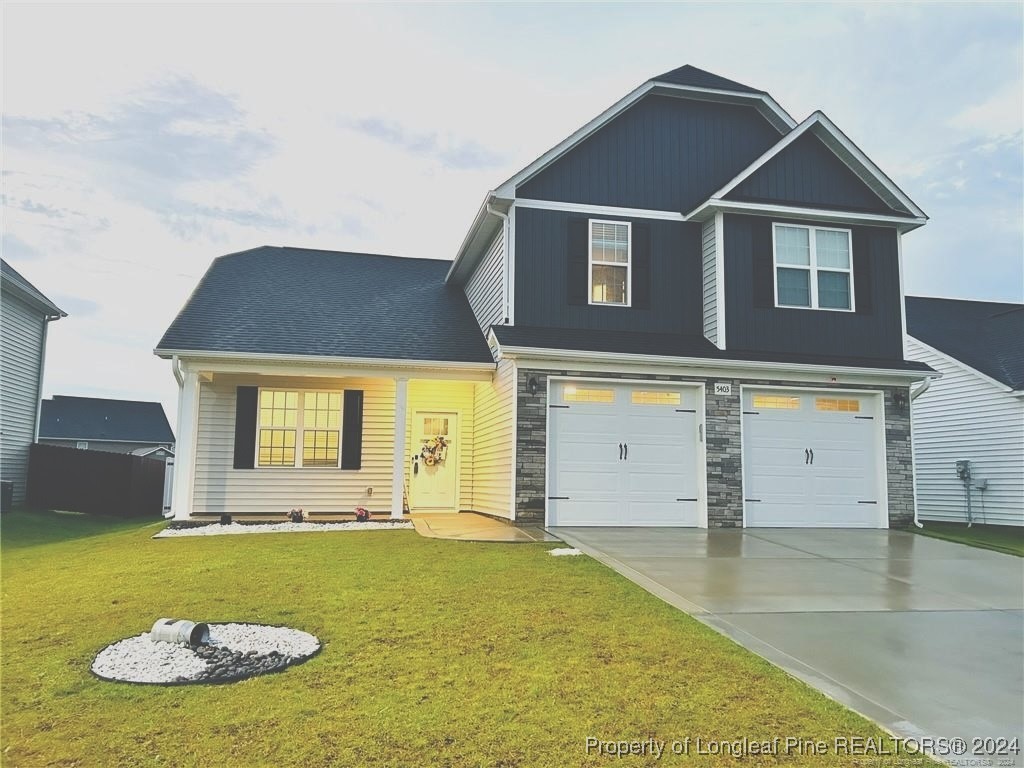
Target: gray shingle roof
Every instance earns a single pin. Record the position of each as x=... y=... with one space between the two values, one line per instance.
x=296 y=301
x=699 y=78
x=93 y=418
x=672 y=345
x=988 y=336
x=12 y=277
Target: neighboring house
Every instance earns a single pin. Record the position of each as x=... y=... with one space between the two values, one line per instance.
x=688 y=313
x=98 y=424
x=25 y=315
x=974 y=413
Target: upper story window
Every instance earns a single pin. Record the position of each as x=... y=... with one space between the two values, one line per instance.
x=610 y=262
x=284 y=426
x=813 y=267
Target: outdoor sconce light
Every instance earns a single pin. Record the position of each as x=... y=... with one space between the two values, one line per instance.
x=531 y=385
x=899 y=399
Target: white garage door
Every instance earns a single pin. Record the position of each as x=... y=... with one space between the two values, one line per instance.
x=622 y=454
x=811 y=459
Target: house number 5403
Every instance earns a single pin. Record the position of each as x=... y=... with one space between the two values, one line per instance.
x=723 y=389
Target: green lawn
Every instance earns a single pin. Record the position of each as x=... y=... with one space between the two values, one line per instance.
x=435 y=653
x=1001 y=538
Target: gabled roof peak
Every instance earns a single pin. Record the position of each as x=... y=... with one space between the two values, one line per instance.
x=700 y=78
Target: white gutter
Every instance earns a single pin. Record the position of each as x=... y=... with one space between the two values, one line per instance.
x=702 y=362
x=370 y=362
x=481 y=214
x=914 y=394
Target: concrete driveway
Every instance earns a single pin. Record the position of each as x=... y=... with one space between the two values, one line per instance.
x=923 y=636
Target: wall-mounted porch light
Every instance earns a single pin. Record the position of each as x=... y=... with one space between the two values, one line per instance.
x=531 y=385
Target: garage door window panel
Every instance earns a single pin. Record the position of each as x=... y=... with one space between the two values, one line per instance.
x=776 y=402
x=588 y=395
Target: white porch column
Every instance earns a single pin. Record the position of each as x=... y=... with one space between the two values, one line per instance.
x=185 y=446
x=398 y=450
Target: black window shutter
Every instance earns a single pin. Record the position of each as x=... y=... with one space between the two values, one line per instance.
x=577 y=280
x=352 y=430
x=641 y=266
x=763 y=275
x=861 y=275
x=245 y=427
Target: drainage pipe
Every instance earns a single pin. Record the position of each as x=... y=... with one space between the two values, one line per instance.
x=914 y=394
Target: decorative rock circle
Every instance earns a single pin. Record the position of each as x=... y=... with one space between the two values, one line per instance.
x=235 y=652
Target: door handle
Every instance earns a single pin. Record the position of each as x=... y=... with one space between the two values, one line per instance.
x=807 y=456
x=620 y=451
x=812 y=455
x=626 y=456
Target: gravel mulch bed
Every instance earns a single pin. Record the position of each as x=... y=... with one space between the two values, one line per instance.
x=235 y=652
x=216 y=529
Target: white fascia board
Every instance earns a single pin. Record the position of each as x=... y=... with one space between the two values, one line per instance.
x=158 y=443
x=599 y=210
x=715 y=205
x=208 y=360
x=33 y=298
x=956 y=362
x=482 y=214
x=739 y=367
x=854 y=158
x=764 y=103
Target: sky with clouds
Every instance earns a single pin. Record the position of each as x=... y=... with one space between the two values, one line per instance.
x=142 y=141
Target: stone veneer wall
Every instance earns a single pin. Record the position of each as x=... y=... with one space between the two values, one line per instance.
x=722 y=439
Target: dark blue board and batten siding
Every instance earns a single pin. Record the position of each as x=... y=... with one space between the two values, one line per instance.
x=663 y=153
x=752 y=321
x=543 y=255
x=807 y=173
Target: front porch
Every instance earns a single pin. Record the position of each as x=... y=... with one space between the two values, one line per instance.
x=256 y=441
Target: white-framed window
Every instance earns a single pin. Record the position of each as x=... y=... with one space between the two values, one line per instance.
x=813 y=267
x=83 y=444
x=610 y=263
x=298 y=428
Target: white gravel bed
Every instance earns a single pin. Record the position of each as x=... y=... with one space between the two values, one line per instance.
x=564 y=552
x=216 y=529
x=139 y=660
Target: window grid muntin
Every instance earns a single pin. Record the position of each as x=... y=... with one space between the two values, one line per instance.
x=300 y=408
x=813 y=268
x=610 y=264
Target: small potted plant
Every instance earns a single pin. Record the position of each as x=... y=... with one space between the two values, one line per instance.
x=297 y=515
x=362 y=514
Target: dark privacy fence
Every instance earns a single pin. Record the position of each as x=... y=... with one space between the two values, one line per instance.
x=95 y=482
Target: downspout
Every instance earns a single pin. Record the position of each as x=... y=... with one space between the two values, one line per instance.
x=42 y=370
x=914 y=394
x=505 y=275
x=176 y=370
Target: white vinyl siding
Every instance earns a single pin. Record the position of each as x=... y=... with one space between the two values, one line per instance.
x=493 y=443
x=966 y=416
x=445 y=397
x=485 y=288
x=220 y=489
x=710 y=281
x=21 y=347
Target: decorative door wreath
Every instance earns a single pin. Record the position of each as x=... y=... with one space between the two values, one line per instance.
x=435 y=450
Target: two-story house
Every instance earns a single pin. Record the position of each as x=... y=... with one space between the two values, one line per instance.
x=687 y=313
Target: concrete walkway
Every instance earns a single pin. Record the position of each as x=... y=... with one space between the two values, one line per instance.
x=469 y=526
x=926 y=637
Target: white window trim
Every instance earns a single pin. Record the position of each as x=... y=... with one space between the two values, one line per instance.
x=82 y=445
x=299 y=426
x=628 y=265
x=813 y=267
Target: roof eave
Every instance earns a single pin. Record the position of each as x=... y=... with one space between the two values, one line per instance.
x=542 y=353
x=35 y=298
x=323 y=360
x=709 y=208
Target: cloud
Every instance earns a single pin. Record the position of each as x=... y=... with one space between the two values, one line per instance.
x=998 y=115
x=16 y=249
x=453 y=153
x=171 y=133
